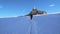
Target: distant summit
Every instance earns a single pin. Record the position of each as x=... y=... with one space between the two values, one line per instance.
x=36 y=12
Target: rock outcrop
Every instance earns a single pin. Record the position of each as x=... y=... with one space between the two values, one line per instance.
x=37 y=12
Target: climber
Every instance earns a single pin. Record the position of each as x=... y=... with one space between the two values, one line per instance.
x=31 y=16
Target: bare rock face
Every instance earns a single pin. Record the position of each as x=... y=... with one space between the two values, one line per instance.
x=35 y=12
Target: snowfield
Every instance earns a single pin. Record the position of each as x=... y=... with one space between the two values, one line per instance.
x=40 y=24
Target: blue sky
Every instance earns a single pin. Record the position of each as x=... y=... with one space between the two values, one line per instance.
x=12 y=8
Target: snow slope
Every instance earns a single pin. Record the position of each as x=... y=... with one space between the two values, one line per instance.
x=47 y=24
